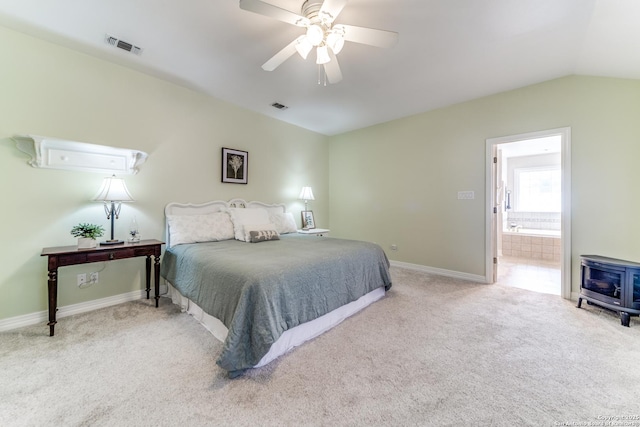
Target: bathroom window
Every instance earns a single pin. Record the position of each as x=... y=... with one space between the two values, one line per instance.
x=538 y=189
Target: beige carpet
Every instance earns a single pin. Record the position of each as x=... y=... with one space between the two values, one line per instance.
x=434 y=352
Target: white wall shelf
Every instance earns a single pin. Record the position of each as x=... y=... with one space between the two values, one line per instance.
x=54 y=153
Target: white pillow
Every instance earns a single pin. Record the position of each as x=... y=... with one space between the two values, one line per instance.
x=284 y=222
x=199 y=228
x=274 y=209
x=222 y=226
x=248 y=228
x=242 y=216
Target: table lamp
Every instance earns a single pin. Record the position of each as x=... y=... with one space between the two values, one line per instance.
x=113 y=191
x=306 y=194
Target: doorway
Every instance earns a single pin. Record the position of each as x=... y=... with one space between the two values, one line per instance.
x=528 y=224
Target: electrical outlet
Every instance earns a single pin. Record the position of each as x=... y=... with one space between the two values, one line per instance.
x=394 y=247
x=93 y=278
x=82 y=279
x=466 y=195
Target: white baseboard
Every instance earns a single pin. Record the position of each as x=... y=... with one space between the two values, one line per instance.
x=439 y=271
x=83 y=307
x=70 y=310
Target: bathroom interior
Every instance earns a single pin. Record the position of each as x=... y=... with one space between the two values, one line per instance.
x=529 y=238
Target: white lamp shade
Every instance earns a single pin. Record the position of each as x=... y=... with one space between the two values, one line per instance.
x=315 y=34
x=113 y=190
x=323 y=55
x=303 y=46
x=306 y=194
x=335 y=41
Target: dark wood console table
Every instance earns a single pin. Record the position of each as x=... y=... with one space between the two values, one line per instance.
x=62 y=256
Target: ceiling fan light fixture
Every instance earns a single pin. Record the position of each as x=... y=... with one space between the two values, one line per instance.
x=315 y=34
x=322 y=55
x=303 y=46
x=335 y=41
x=318 y=18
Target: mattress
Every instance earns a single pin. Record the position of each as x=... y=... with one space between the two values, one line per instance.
x=289 y=339
x=260 y=290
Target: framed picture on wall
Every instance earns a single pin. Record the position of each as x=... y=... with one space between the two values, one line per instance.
x=235 y=166
x=307 y=220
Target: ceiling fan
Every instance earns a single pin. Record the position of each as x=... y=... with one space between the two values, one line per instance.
x=322 y=33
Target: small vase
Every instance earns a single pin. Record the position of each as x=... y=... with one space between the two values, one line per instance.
x=133 y=231
x=87 y=243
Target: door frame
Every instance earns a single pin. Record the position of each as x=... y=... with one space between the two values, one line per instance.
x=565 y=217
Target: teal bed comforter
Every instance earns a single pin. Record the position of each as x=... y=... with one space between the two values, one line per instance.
x=260 y=290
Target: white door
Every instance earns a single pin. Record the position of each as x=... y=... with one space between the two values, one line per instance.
x=496 y=209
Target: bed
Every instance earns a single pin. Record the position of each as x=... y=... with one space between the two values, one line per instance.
x=257 y=285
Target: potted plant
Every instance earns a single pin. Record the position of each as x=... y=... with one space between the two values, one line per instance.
x=86 y=234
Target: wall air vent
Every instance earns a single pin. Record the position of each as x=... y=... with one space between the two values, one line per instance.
x=279 y=106
x=114 y=41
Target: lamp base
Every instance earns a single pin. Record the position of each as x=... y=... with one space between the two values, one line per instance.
x=111 y=242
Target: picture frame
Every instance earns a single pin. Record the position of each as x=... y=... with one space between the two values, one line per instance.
x=235 y=166
x=308 y=222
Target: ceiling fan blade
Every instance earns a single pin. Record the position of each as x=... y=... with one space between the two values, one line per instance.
x=275 y=12
x=280 y=57
x=332 y=70
x=332 y=8
x=370 y=36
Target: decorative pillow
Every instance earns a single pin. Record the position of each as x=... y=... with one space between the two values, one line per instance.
x=242 y=216
x=263 y=236
x=199 y=228
x=284 y=222
x=262 y=228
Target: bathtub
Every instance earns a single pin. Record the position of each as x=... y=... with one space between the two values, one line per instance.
x=532 y=232
x=532 y=243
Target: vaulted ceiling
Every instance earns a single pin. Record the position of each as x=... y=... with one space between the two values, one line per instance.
x=448 y=51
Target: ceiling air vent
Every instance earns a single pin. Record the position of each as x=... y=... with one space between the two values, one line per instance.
x=114 y=41
x=279 y=106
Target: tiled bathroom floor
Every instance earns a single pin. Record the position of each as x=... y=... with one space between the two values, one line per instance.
x=536 y=275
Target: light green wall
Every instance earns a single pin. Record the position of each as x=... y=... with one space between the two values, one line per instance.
x=394 y=183
x=397 y=183
x=49 y=90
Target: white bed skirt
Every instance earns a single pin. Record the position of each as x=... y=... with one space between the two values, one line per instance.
x=290 y=338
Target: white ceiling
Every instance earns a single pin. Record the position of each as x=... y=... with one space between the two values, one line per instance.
x=448 y=51
x=531 y=147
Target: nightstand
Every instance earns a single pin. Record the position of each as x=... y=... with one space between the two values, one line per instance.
x=315 y=231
